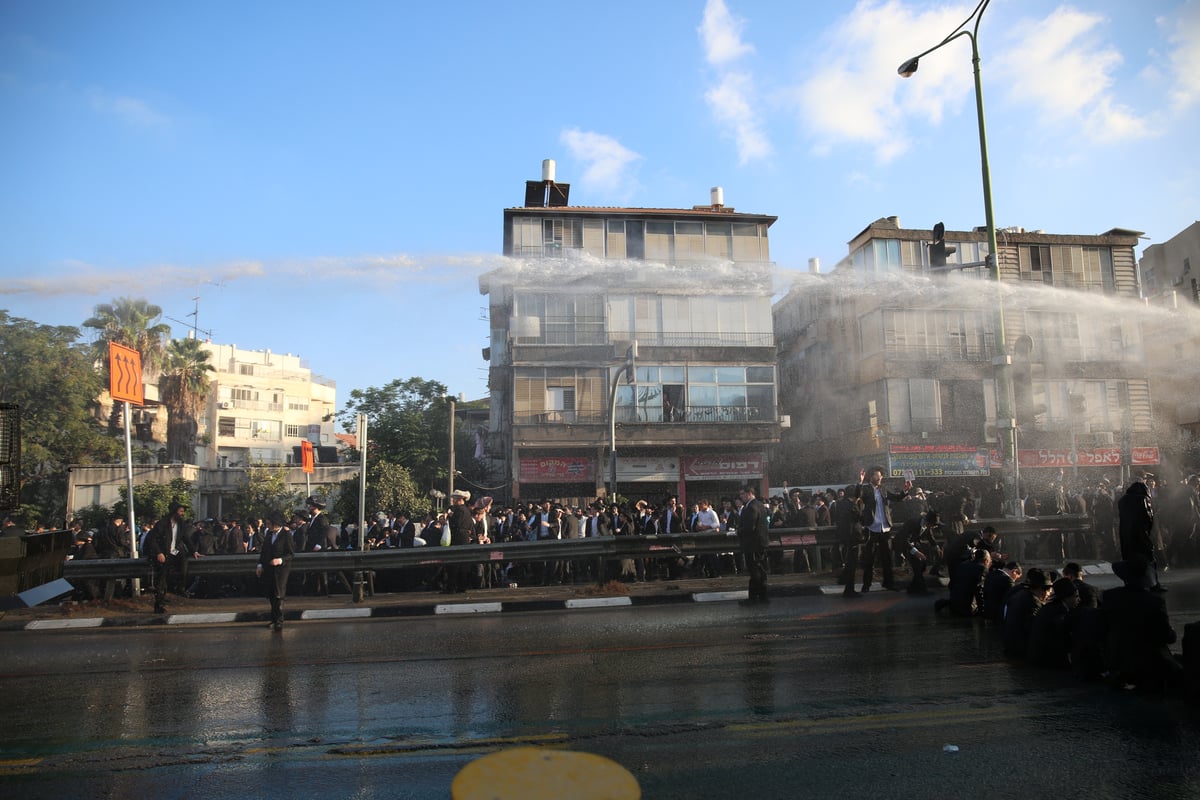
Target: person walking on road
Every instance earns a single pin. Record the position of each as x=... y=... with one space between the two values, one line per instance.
x=754 y=541
x=275 y=565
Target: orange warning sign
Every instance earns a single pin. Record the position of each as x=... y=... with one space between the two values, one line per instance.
x=125 y=374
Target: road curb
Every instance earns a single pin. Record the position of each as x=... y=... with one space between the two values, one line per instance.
x=465 y=607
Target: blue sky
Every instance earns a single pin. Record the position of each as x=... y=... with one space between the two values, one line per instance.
x=329 y=178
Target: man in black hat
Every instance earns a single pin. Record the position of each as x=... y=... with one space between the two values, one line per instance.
x=462 y=525
x=1050 y=633
x=168 y=546
x=275 y=565
x=755 y=542
x=1135 y=521
x=1022 y=604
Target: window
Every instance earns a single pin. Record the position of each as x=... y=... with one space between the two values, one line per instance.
x=564 y=319
x=245 y=369
x=294 y=431
x=268 y=429
x=249 y=395
x=297 y=403
x=559 y=395
x=226 y=426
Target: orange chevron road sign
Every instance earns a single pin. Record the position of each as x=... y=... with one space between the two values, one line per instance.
x=125 y=374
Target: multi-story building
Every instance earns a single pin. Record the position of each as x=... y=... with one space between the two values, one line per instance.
x=262 y=406
x=1171 y=282
x=1173 y=267
x=692 y=288
x=883 y=361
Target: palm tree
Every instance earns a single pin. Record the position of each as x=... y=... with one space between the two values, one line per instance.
x=131 y=322
x=184 y=388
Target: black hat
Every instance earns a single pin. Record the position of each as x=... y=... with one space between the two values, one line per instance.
x=1064 y=587
x=1037 y=578
x=315 y=502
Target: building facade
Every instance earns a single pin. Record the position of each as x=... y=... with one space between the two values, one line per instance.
x=883 y=361
x=1171 y=283
x=261 y=407
x=583 y=290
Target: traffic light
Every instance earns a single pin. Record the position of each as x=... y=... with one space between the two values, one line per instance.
x=938 y=249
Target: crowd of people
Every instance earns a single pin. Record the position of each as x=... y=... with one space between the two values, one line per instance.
x=1149 y=527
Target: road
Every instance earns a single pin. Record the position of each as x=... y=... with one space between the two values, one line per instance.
x=808 y=697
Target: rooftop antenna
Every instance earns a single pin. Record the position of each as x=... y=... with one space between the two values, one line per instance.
x=195 y=315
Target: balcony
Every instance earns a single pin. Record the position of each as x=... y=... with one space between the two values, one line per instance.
x=626 y=415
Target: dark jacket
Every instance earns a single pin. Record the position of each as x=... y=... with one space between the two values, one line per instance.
x=1136 y=517
x=752 y=526
x=319 y=533
x=158 y=541
x=866 y=493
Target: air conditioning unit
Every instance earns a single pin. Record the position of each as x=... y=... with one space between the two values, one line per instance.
x=225 y=404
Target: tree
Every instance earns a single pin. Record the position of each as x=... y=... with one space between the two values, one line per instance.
x=184 y=388
x=408 y=425
x=152 y=501
x=45 y=371
x=389 y=487
x=131 y=322
x=266 y=490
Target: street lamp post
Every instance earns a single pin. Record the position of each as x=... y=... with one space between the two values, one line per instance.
x=630 y=370
x=1002 y=361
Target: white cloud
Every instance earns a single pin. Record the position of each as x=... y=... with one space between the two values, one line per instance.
x=854 y=94
x=1062 y=67
x=733 y=100
x=1184 y=36
x=129 y=109
x=721 y=34
x=608 y=161
x=731 y=104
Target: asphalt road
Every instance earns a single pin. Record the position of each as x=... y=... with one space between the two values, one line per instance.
x=811 y=696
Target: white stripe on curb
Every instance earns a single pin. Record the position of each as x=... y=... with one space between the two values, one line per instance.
x=716 y=597
x=59 y=624
x=468 y=608
x=335 y=613
x=597 y=602
x=200 y=619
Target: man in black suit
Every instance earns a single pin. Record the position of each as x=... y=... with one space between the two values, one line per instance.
x=275 y=565
x=319 y=534
x=876 y=519
x=168 y=546
x=754 y=541
x=1139 y=631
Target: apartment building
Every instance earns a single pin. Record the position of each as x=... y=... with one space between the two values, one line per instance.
x=885 y=361
x=680 y=296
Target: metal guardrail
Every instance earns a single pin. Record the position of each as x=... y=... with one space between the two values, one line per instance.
x=604 y=547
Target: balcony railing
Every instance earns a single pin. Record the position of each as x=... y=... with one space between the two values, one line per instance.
x=966 y=351
x=629 y=415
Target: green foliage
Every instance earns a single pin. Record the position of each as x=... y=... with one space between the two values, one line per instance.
x=266 y=490
x=184 y=387
x=389 y=487
x=51 y=377
x=408 y=424
x=132 y=322
x=94 y=517
x=152 y=500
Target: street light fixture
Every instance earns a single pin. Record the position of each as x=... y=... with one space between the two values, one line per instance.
x=1002 y=361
